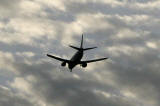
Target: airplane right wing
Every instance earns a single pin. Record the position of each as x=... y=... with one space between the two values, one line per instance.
x=90 y=61
x=57 y=58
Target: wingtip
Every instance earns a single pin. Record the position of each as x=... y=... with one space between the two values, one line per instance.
x=107 y=58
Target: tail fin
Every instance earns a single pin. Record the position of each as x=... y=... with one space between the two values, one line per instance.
x=82 y=42
x=89 y=48
x=81 y=47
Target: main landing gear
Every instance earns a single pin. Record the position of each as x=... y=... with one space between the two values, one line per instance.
x=70 y=70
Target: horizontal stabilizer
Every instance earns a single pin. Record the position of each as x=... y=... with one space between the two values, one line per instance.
x=74 y=47
x=89 y=48
x=90 y=61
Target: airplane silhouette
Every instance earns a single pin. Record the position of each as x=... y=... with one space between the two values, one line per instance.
x=76 y=59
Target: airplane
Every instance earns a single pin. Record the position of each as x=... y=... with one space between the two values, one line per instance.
x=76 y=59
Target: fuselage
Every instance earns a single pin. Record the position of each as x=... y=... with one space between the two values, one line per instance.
x=75 y=59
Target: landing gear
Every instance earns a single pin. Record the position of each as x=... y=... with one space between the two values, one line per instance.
x=70 y=70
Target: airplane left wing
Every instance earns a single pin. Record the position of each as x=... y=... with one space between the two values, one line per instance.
x=90 y=61
x=57 y=58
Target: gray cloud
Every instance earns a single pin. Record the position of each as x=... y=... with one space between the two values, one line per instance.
x=8 y=4
x=8 y=99
x=125 y=31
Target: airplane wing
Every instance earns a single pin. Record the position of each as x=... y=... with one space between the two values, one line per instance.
x=90 y=61
x=57 y=58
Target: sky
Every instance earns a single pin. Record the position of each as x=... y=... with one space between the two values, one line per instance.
x=126 y=31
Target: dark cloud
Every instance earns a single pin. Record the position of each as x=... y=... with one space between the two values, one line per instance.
x=53 y=88
x=55 y=14
x=130 y=39
x=107 y=8
x=7 y=3
x=8 y=8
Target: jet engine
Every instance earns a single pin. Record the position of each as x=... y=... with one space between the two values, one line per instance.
x=84 y=65
x=63 y=64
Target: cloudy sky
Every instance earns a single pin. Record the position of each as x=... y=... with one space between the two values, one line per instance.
x=126 y=31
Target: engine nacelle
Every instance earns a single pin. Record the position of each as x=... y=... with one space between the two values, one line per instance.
x=84 y=65
x=63 y=64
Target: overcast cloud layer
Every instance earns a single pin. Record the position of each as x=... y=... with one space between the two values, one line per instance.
x=126 y=31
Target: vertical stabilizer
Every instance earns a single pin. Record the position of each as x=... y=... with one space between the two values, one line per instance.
x=82 y=42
